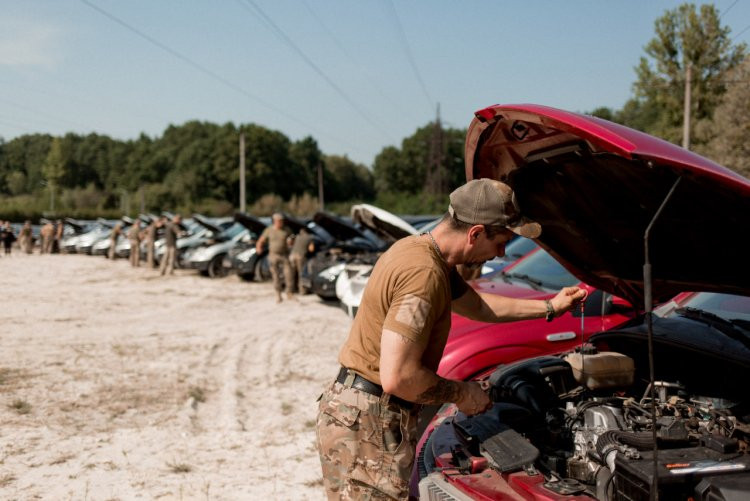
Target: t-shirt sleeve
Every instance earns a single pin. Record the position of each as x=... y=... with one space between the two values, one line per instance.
x=266 y=231
x=417 y=302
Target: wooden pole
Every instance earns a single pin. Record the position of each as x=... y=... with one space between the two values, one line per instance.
x=242 y=173
x=686 y=110
x=320 y=186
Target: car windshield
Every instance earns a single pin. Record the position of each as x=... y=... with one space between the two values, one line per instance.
x=539 y=269
x=233 y=231
x=518 y=248
x=727 y=306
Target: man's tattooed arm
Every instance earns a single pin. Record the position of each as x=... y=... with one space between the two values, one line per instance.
x=441 y=392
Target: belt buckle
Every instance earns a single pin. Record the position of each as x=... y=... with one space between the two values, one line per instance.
x=349 y=380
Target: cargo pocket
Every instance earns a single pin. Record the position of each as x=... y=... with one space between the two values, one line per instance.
x=343 y=413
x=398 y=451
x=338 y=435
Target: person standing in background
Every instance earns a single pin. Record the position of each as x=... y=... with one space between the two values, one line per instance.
x=25 y=237
x=48 y=234
x=134 y=235
x=8 y=237
x=113 y=236
x=278 y=237
x=303 y=243
x=59 y=230
x=151 y=233
x=171 y=234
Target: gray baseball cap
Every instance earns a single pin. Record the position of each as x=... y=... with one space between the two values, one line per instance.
x=490 y=202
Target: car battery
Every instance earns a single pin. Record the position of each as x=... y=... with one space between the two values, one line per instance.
x=679 y=472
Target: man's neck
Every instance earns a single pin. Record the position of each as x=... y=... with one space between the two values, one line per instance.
x=450 y=247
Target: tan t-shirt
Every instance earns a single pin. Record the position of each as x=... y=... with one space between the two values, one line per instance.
x=277 y=239
x=409 y=292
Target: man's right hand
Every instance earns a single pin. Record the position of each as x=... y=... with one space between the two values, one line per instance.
x=473 y=399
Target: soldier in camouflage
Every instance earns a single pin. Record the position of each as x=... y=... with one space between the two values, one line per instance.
x=367 y=417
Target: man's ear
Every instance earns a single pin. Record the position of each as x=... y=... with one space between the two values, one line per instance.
x=474 y=232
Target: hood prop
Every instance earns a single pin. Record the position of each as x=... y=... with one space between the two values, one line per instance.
x=648 y=307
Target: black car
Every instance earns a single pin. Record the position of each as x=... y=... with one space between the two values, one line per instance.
x=350 y=243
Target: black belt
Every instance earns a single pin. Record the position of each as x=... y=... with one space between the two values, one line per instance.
x=363 y=384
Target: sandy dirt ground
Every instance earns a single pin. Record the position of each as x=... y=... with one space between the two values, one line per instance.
x=119 y=384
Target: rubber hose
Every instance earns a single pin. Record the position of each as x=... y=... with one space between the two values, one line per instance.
x=640 y=440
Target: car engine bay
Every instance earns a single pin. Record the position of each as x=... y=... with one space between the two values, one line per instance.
x=584 y=421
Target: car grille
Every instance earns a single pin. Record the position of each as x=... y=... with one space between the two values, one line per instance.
x=435 y=488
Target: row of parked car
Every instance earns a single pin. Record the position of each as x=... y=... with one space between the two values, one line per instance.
x=216 y=247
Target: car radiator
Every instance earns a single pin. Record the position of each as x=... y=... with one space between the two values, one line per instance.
x=435 y=488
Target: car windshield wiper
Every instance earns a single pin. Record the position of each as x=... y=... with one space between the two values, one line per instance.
x=537 y=284
x=732 y=328
x=505 y=276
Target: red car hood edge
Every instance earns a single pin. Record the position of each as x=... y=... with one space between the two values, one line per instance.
x=595 y=186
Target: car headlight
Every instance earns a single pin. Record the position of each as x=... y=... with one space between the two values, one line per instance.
x=332 y=272
x=245 y=255
x=200 y=254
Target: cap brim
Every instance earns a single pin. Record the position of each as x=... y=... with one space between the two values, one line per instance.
x=528 y=230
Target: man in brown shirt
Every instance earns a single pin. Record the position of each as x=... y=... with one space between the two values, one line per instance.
x=367 y=417
x=278 y=237
x=134 y=236
x=48 y=234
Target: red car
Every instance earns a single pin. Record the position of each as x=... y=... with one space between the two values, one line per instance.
x=475 y=347
x=657 y=404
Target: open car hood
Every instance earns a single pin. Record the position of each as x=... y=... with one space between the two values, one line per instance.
x=252 y=223
x=293 y=223
x=386 y=225
x=337 y=227
x=206 y=224
x=595 y=187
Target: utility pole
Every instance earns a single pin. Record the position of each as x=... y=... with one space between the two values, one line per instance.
x=686 y=110
x=242 y=172
x=320 y=185
x=434 y=179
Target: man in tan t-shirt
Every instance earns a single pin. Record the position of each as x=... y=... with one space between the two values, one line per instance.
x=367 y=417
x=279 y=238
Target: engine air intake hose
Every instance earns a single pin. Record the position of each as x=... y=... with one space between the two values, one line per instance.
x=614 y=438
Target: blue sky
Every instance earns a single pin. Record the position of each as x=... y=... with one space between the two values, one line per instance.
x=357 y=75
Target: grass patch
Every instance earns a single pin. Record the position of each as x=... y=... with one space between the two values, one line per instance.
x=62 y=459
x=286 y=408
x=310 y=423
x=179 y=467
x=197 y=393
x=9 y=376
x=6 y=479
x=20 y=406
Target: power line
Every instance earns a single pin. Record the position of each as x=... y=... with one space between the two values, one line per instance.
x=197 y=66
x=409 y=56
x=349 y=56
x=741 y=32
x=288 y=41
x=728 y=9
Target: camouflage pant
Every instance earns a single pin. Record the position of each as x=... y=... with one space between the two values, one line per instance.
x=276 y=261
x=366 y=445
